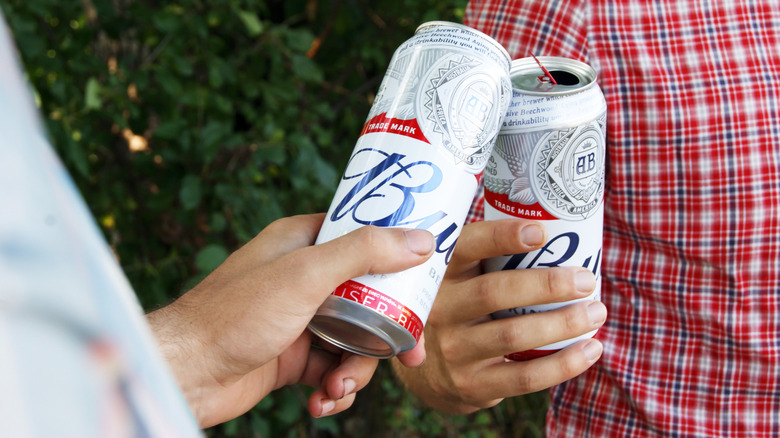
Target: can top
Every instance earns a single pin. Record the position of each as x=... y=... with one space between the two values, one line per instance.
x=487 y=37
x=571 y=75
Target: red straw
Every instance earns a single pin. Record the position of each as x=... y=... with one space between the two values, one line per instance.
x=546 y=76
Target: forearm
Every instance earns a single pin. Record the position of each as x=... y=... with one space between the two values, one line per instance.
x=182 y=354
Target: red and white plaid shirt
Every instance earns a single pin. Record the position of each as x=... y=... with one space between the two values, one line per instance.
x=692 y=219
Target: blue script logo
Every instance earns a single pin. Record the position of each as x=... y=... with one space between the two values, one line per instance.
x=557 y=252
x=394 y=181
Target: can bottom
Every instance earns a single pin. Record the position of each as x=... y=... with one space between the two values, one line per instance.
x=360 y=329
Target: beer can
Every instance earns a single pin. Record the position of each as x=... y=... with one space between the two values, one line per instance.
x=416 y=164
x=548 y=165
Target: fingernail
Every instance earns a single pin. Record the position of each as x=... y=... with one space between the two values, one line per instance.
x=419 y=241
x=327 y=407
x=584 y=281
x=532 y=235
x=592 y=350
x=349 y=387
x=597 y=313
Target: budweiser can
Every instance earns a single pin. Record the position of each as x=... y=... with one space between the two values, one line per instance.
x=548 y=165
x=415 y=165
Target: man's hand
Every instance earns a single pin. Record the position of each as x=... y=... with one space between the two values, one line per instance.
x=241 y=332
x=465 y=369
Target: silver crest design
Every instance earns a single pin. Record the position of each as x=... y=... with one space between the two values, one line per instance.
x=400 y=86
x=562 y=170
x=516 y=151
x=569 y=177
x=460 y=104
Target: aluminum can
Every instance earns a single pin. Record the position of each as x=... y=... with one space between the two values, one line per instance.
x=427 y=138
x=548 y=165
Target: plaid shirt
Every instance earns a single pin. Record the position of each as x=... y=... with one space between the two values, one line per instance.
x=692 y=227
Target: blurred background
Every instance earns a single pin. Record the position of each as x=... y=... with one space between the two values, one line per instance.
x=190 y=125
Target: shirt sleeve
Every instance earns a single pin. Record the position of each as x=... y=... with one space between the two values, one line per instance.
x=76 y=356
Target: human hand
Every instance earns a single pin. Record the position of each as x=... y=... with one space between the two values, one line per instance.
x=465 y=369
x=241 y=333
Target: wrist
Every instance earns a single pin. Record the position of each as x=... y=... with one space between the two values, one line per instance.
x=183 y=352
x=428 y=391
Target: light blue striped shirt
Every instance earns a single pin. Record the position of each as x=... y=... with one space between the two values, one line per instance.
x=77 y=358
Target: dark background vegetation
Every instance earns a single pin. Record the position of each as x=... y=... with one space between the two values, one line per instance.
x=189 y=125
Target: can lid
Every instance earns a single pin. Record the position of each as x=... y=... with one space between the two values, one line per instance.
x=359 y=329
x=491 y=40
x=571 y=75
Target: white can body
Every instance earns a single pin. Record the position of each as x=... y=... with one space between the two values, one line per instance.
x=428 y=136
x=548 y=165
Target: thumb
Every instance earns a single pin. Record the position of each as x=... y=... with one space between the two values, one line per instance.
x=315 y=271
x=374 y=250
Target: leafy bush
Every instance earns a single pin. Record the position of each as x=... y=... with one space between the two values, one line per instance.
x=190 y=125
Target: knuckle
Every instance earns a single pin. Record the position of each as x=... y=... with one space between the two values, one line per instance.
x=279 y=225
x=450 y=349
x=575 y=319
x=497 y=237
x=365 y=239
x=567 y=367
x=484 y=293
x=464 y=387
x=509 y=335
x=368 y=235
x=527 y=381
x=436 y=319
x=559 y=284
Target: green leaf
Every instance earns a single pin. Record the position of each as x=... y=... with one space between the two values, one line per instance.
x=166 y=22
x=217 y=223
x=328 y=424
x=326 y=174
x=260 y=426
x=78 y=157
x=210 y=256
x=169 y=82
x=214 y=132
x=215 y=75
x=274 y=154
x=92 y=99
x=254 y=26
x=170 y=129
x=193 y=281
x=289 y=409
x=190 y=192
x=232 y=427
x=306 y=69
x=183 y=65
x=299 y=40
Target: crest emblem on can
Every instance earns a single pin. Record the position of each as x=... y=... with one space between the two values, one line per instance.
x=569 y=177
x=460 y=104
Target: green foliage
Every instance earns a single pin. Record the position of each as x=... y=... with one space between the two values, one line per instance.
x=190 y=125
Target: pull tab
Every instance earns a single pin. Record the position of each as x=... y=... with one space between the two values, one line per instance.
x=546 y=77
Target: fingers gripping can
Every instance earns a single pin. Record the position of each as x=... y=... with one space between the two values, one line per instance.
x=548 y=165
x=427 y=137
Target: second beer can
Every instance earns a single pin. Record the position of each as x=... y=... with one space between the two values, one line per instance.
x=416 y=163
x=548 y=165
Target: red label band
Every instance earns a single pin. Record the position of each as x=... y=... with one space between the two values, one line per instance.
x=382 y=123
x=383 y=304
x=501 y=202
x=529 y=354
x=533 y=354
